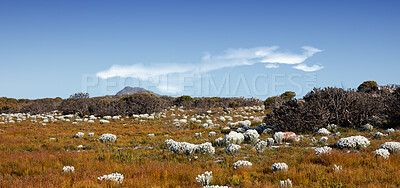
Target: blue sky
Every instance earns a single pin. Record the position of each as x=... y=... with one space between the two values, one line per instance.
x=203 y=48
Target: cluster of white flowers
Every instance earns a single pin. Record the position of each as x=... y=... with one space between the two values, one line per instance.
x=90 y=134
x=232 y=149
x=220 y=141
x=337 y=168
x=323 y=150
x=332 y=127
x=378 y=135
x=68 y=169
x=206 y=148
x=116 y=177
x=169 y=143
x=279 y=167
x=108 y=138
x=204 y=179
x=80 y=147
x=234 y=138
x=241 y=163
x=245 y=123
x=215 y=186
x=368 y=127
x=389 y=131
x=323 y=140
x=393 y=147
x=286 y=183
x=278 y=137
x=384 y=153
x=212 y=134
x=270 y=141
x=197 y=134
x=79 y=135
x=353 y=142
x=188 y=148
x=261 y=146
x=102 y=121
x=251 y=136
x=323 y=131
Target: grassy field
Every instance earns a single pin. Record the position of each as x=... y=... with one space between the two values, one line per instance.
x=29 y=158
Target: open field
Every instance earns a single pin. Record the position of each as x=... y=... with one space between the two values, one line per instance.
x=33 y=155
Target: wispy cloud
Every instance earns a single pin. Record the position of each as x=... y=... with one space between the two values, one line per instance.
x=271 y=66
x=143 y=72
x=229 y=58
x=306 y=68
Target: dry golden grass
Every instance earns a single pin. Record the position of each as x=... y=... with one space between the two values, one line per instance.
x=30 y=159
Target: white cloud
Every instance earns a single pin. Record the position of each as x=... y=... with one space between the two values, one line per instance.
x=306 y=68
x=166 y=72
x=289 y=58
x=271 y=66
x=141 y=71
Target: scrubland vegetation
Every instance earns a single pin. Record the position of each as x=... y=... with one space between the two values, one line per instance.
x=161 y=146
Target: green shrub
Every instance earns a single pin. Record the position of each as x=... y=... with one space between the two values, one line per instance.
x=367 y=84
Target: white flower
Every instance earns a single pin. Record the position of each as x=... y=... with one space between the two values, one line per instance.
x=79 y=135
x=234 y=138
x=337 y=168
x=353 y=142
x=244 y=123
x=68 y=169
x=279 y=167
x=212 y=134
x=90 y=134
x=323 y=139
x=332 y=127
x=197 y=134
x=232 y=149
x=188 y=148
x=378 y=135
x=206 y=148
x=204 y=179
x=220 y=141
x=215 y=186
x=108 y=138
x=102 y=121
x=116 y=177
x=393 y=147
x=261 y=146
x=150 y=135
x=368 y=127
x=169 y=142
x=384 y=153
x=251 y=136
x=286 y=183
x=270 y=141
x=80 y=147
x=389 y=131
x=278 y=137
x=323 y=131
x=241 y=163
x=323 y=150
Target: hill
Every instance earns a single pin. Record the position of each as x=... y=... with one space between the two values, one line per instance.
x=132 y=90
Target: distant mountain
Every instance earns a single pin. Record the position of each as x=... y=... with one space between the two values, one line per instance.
x=132 y=90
